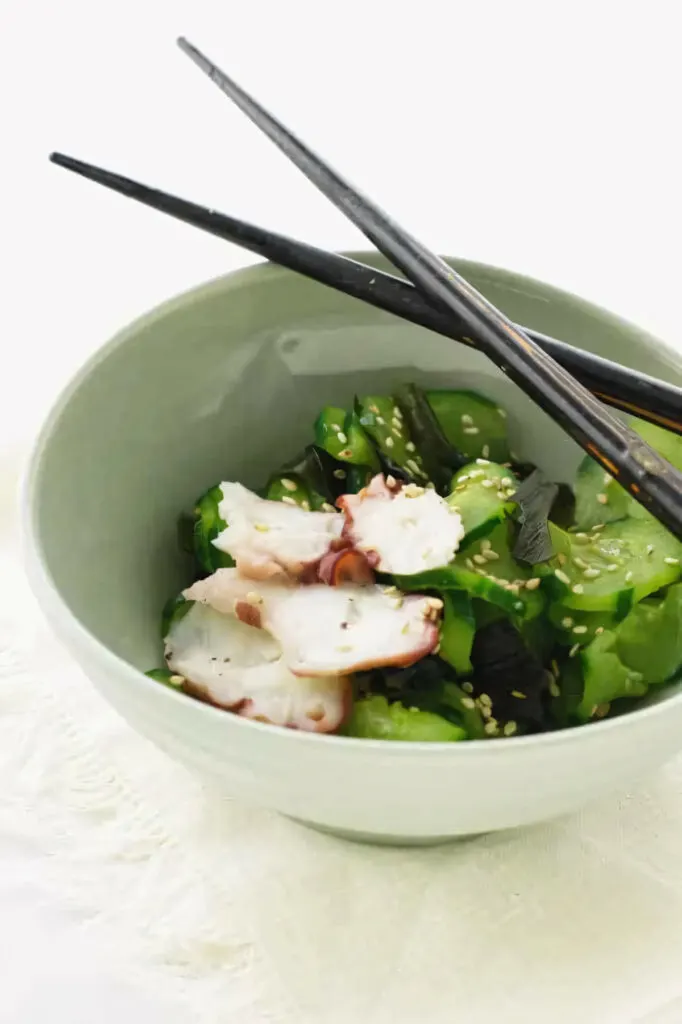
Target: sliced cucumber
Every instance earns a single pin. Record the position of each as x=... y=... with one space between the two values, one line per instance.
x=481 y=493
x=487 y=571
x=649 y=640
x=598 y=497
x=605 y=678
x=207 y=526
x=375 y=719
x=457 y=631
x=341 y=434
x=573 y=626
x=166 y=677
x=384 y=421
x=612 y=568
x=471 y=423
x=173 y=612
x=290 y=488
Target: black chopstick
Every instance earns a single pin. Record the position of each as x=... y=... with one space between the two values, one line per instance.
x=643 y=396
x=650 y=479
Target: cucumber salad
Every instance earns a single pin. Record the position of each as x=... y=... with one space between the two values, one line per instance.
x=407 y=577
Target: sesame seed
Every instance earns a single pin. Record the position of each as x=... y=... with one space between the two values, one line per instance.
x=344 y=648
x=374 y=408
x=574 y=650
x=410 y=446
x=671 y=561
x=340 y=474
x=380 y=421
x=476 y=473
x=599 y=630
x=591 y=574
x=485 y=544
x=599 y=526
x=507 y=481
x=411 y=464
x=389 y=442
x=405 y=629
x=326 y=507
x=578 y=588
x=480 y=559
x=413 y=491
x=390 y=590
x=534 y=583
x=509 y=729
x=436 y=649
x=482 y=462
x=468 y=702
x=335 y=426
x=491 y=727
x=286 y=500
x=397 y=412
x=397 y=603
x=289 y=484
x=490 y=555
x=262 y=527
x=554 y=667
x=485 y=451
x=502 y=413
x=176 y=680
x=390 y=481
x=567 y=623
x=518 y=606
x=580 y=563
x=650 y=549
x=561 y=559
x=603 y=499
x=468 y=687
x=562 y=577
x=579 y=629
x=471 y=430
x=253 y=598
x=582 y=537
x=502 y=496
x=485 y=700
x=346 y=453
x=462 y=478
x=342 y=437
x=612 y=567
x=396 y=432
x=487 y=483
x=554 y=688
x=395 y=422
x=434 y=602
x=628 y=577
x=305 y=504
x=466 y=420
x=518 y=695
x=469 y=564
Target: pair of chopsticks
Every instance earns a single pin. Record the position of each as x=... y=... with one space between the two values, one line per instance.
x=442 y=300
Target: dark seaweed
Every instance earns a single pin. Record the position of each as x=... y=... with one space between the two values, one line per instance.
x=316 y=468
x=535 y=498
x=503 y=666
x=441 y=460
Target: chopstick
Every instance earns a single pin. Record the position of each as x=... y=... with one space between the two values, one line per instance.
x=649 y=478
x=632 y=392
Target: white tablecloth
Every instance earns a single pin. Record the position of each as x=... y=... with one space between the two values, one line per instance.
x=542 y=137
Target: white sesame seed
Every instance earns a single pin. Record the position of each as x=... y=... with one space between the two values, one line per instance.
x=476 y=473
x=502 y=412
x=628 y=577
x=434 y=602
x=253 y=598
x=580 y=563
x=466 y=420
x=518 y=695
x=579 y=629
x=176 y=680
x=599 y=630
x=468 y=702
x=389 y=442
x=469 y=564
x=582 y=537
x=591 y=574
x=468 y=687
x=462 y=478
x=305 y=504
x=340 y=474
x=574 y=650
x=507 y=481
x=562 y=577
x=490 y=555
x=374 y=408
x=650 y=549
x=555 y=667
x=567 y=622
x=397 y=433
x=485 y=700
x=491 y=727
x=671 y=561
x=344 y=648
x=346 y=453
x=471 y=430
x=578 y=588
x=612 y=567
x=509 y=729
x=397 y=412
x=480 y=559
x=485 y=451
x=395 y=422
x=390 y=481
x=518 y=606
x=603 y=499
x=487 y=483
x=289 y=484
x=599 y=526
x=502 y=496
x=554 y=688
x=411 y=465
x=482 y=462
x=410 y=446
x=380 y=421
x=342 y=437
x=326 y=507
x=561 y=559
x=533 y=583
x=286 y=500
x=335 y=426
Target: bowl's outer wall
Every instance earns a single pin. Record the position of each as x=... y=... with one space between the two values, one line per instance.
x=224 y=383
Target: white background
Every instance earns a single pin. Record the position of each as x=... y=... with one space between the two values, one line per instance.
x=539 y=136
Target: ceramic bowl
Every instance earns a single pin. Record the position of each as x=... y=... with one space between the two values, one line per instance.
x=224 y=382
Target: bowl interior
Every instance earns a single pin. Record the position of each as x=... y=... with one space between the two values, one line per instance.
x=225 y=383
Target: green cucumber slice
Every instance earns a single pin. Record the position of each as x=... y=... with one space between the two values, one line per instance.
x=605 y=678
x=471 y=423
x=383 y=419
x=481 y=493
x=649 y=640
x=375 y=719
x=207 y=526
x=457 y=631
x=341 y=434
x=612 y=568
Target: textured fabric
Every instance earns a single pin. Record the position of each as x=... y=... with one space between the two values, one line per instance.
x=235 y=914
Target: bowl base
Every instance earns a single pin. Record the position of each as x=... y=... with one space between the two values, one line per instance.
x=379 y=839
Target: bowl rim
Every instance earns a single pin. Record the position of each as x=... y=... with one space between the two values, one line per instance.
x=65 y=623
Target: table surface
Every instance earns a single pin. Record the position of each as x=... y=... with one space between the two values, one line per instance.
x=539 y=137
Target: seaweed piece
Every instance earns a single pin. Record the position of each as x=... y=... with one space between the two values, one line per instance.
x=535 y=498
x=439 y=457
x=509 y=675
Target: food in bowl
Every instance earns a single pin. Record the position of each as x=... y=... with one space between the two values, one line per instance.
x=407 y=577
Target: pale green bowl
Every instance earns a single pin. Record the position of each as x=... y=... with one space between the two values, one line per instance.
x=224 y=382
